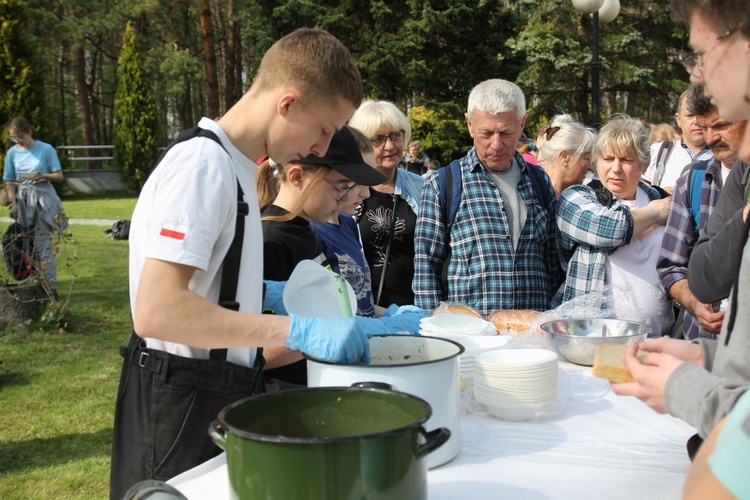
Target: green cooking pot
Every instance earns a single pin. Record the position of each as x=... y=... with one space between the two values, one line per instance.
x=332 y=443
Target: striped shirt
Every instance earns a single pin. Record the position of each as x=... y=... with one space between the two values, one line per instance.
x=680 y=236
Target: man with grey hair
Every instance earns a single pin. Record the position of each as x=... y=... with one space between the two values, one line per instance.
x=486 y=232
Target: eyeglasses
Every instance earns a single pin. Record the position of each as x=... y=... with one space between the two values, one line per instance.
x=694 y=60
x=396 y=137
x=343 y=191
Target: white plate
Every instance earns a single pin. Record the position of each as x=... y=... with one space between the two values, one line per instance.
x=515 y=359
x=28 y=175
x=457 y=323
x=312 y=292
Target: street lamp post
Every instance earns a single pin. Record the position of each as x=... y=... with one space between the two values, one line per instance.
x=604 y=11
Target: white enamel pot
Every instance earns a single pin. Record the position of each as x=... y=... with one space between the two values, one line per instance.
x=427 y=367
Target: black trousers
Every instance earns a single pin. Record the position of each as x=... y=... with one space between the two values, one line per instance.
x=165 y=404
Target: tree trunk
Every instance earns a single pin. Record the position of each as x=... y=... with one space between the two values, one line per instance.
x=230 y=60
x=209 y=57
x=82 y=90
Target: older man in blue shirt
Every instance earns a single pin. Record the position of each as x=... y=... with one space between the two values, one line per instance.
x=503 y=251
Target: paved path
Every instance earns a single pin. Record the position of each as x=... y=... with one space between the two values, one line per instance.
x=89 y=222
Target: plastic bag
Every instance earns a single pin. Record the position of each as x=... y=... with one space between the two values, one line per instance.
x=611 y=302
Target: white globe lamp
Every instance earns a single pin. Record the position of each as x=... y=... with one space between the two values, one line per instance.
x=587 y=6
x=609 y=11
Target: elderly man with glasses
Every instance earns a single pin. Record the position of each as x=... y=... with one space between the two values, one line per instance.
x=498 y=250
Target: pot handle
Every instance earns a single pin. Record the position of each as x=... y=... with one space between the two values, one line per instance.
x=217 y=434
x=435 y=439
x=372 y=385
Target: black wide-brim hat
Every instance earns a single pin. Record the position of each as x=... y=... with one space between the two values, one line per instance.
x=344 y=157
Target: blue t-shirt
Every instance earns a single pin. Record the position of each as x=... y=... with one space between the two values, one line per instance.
x=730 y=460
x=40 y=157
x=341 y=244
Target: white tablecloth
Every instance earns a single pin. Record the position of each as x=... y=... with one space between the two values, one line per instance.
x=601 y=446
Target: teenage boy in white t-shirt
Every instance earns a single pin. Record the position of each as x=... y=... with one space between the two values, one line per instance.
x=171 y=387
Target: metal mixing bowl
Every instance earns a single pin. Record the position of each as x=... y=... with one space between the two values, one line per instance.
x=576 y=339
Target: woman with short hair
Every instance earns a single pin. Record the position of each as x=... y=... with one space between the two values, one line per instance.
x=612 y=229
x=389 y=216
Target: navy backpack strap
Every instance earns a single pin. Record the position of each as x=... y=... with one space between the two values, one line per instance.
x=538 y=183
x=695 y=186
x=449 y=180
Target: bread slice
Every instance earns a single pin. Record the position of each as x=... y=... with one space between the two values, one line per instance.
x=609 y=362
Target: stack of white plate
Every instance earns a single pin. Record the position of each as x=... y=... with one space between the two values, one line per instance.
x=475 y=334
x=475 y=345
x=449 y=323
x=516 y=384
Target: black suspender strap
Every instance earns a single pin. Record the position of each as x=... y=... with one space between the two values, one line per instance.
x=230 y=269
x=230 y=273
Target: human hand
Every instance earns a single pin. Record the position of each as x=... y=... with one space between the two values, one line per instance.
x=339 y=340
x=394 y=310
x=14 y=211
x=707 y=318
x=680 y=349
x=273 y=298
x=650 y=377
x=660 y=210
x=388 y=325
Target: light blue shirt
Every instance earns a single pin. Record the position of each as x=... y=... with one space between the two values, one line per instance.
x=40 y=157
x=730 y=460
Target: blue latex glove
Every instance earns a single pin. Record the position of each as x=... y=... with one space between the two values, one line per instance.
x=339 y=340
x=394 y=310
x=272 y=300
x=388 y=325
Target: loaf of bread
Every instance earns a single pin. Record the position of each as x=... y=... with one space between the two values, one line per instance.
x=609 y=362
x=456 y=309
x=513 y=320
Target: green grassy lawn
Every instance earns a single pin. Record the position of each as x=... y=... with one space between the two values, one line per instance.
x=113 y=206
x=57 y=387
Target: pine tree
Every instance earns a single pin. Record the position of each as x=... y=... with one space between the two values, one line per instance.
x=21 y=81
x=135 y=116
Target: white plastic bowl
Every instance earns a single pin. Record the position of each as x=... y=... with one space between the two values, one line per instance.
x=312 y=291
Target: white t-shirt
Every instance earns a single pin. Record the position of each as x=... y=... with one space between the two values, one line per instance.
x=186 y=214
x=631 y=269
x=724 y=174
x=676 y=163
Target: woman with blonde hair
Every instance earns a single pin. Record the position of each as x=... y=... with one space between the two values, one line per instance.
x=389 y=216
x=612 y=228
x=662 y=132
x=293 y=197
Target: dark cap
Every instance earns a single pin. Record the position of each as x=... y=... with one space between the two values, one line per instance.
x=344 y=157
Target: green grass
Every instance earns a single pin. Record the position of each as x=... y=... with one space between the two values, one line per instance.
x=113 y=206
x=57 y=386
